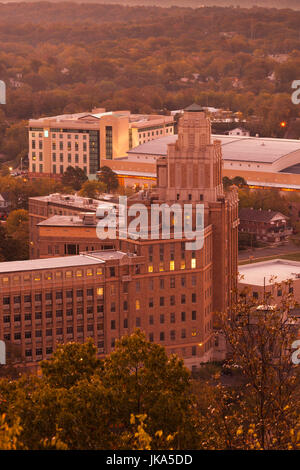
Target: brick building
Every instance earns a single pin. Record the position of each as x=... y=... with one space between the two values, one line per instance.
x=157 y=285
x=41 y=208
x=265 y=225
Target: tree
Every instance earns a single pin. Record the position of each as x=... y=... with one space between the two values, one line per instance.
x=262 y=408
x=92 y=189
x=74 y=177
x=109 y=178
x=70 y=363
x=85 y=403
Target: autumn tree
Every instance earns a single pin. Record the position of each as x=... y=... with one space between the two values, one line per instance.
x=261 y=407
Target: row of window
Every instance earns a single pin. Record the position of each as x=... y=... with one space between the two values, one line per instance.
x=162 y=319
x=50 y=332
x=49 y=314
x=50 y=295
x=58 y=275
x=162 y=302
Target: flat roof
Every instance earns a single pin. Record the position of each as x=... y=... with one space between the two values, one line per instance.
x=65 y=221
x=49 y=263
x=260 y=274
x=234 y=148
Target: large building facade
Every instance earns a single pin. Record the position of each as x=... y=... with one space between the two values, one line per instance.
x=87 y=140
x=158 y=285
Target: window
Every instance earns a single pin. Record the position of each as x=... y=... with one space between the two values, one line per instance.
x=172 y=300
x=162 y=318
x=151 y=302
x=151 y=320
x=193 y=297
x=162 y=283
x=113 y=307
x=194 y=350
x=112 y=271
x=172 y=317
x=6 y=300
x=151 y=337
x=150 y=268
x=183 y=298
x=113 y=324
x=162 y=336
x=194 y=315
x=138 y=321
x=161 y=301
x=255 y=295
x=125 y=305
x=183 y=282
x=183 y=334
x=172 y=265
x=137 y=304
x=172 y=282
x=172 y=335
x=183 y=316
x=125 y=322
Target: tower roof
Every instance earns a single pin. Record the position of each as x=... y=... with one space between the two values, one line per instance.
x=195 y=108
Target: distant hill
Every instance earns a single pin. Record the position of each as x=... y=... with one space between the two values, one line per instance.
x=293 y=4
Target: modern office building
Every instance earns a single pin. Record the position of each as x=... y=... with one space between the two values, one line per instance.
x=160 y=285
x=87 y=140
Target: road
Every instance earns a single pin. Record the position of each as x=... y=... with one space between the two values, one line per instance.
x=268 y=251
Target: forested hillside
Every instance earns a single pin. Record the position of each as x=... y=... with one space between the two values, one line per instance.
x=61 y=58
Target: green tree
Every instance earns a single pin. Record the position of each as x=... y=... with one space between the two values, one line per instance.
x=92 y=189
x=70 y=363
x=74 y=178
x=109 y=178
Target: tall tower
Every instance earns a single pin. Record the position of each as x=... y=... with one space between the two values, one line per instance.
x=193 y=169
x=192 y=172
x=178 y=290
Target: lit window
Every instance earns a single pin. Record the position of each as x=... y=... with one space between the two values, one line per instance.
x=26 y=278
x=79 y=273
x=46 y=133
x=48 y=276
x=89 y=272
x=68 y=274
x=161 y=266
x=100 y=291
x=172 y=265
x=5 y=280
x=16 y=278
x=99 y=271
x=182 y=264
x=193 y=263
x=150 y=268
x=137 y=305
x=37 y=277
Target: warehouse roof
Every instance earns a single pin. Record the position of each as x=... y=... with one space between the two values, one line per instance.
x=238 y=148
